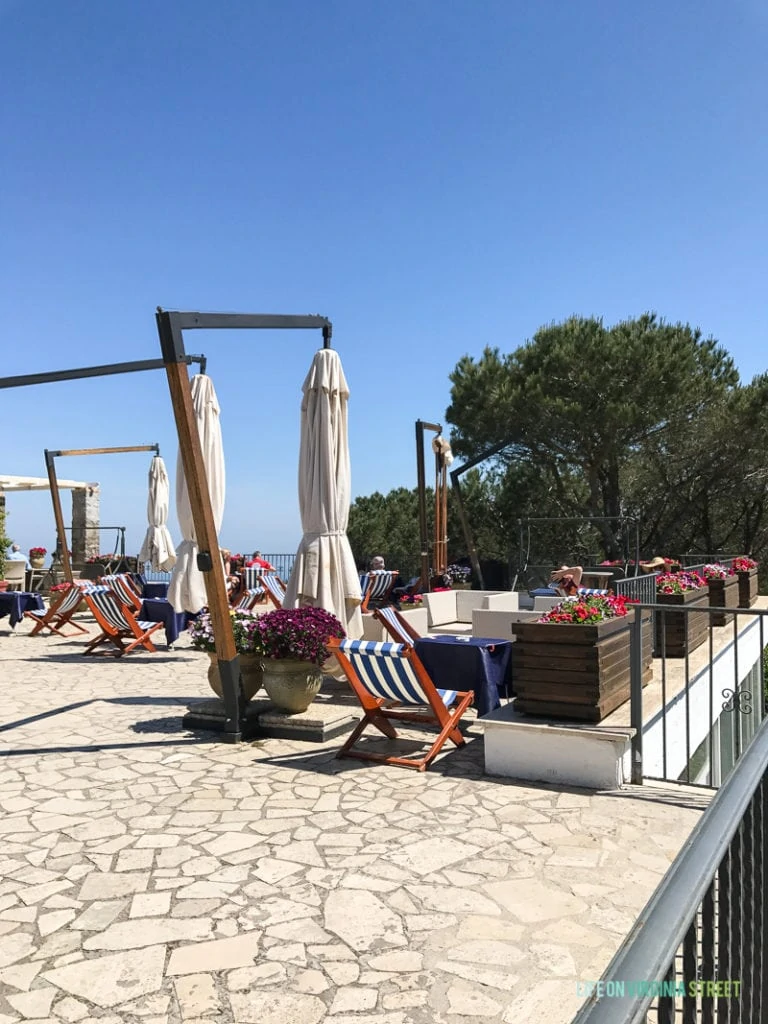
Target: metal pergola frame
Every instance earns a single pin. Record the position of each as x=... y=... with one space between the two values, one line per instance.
x=170 y=328
x=469 y=536
x=50 y=466
x=586 y=521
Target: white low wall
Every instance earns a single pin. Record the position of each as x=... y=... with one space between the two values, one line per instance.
x=590 y=756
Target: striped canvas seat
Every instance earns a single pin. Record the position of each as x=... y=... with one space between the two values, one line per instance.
x=118 y=623
x=384 y=670
x=275 y=588
x=124 y=589
x=591 y=592
x=388 y=679
x=251 y=598
x=251 y=576
x=379 y=587
x=59 y=613
x=398 y=627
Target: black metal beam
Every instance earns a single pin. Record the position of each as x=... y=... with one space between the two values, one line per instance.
x=93 y=371
x=468 y=535
x=171 y=324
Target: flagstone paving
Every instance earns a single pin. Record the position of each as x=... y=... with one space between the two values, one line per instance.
x=151 y=876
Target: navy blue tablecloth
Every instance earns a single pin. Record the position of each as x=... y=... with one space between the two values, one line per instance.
x=482 y=664
x=154 y=588
x=157 y=609
x=15 y=602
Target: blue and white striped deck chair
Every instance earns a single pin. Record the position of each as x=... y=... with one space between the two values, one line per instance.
x=124 y=589
x=274 y=587
x=248 y=601
x=591 y=592
x=251 y=576
x=396 y=625
x=388 y=679
x=118 y=623
x=59 y=613
x=379 y=586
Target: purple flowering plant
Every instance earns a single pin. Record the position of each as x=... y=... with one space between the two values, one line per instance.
x=678 y=582
x=300 y=634
x=244 y=628
x=716 y=571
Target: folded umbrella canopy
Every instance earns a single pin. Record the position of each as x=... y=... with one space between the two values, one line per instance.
x=157 y=548
x=187 y=588
x=324 y=573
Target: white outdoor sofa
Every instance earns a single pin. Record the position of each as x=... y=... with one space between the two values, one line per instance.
x=451 y=611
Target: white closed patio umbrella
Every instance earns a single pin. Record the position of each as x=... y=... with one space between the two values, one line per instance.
x=324 y=573
x=187 y=588
x=157 y=548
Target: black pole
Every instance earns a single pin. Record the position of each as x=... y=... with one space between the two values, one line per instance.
x=421 y=486
x=470 y=540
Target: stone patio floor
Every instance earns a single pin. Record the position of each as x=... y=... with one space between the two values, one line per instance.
x=152 y=876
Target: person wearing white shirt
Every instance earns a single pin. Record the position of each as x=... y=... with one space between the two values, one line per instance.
x=16 y=556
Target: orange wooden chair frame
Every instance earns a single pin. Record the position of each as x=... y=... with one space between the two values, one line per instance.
x=138 y=636
x=381 y=713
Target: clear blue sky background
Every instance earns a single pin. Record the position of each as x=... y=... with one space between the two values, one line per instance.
x=433 y=176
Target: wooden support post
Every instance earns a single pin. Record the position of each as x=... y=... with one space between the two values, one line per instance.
x=191 y=453
x=61 y=532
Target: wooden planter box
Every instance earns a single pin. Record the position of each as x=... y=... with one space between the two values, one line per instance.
x=723 y=594
x=576 y=673
x=682 y=633
x=747 y=588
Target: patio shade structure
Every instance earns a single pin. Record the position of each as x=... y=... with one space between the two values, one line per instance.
x=187 y=591
x=158 y=548
x=324 y=573
x=171 y=327
x=50 y=465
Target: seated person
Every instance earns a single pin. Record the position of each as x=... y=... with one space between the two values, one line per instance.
x=258 y=562
x=566 y=579
x=564 y=582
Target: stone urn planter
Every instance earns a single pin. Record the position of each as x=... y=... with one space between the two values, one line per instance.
x=37 y=563
x=723 y=594
x=250 y=674
x=574 y=672
x=291 y=685
x=677 y=634
x=747 y=588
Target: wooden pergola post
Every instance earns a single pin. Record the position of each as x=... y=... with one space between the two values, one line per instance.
x=50 y=466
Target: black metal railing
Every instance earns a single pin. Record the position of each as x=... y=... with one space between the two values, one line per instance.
x=637 y=588
x=710 y=708
x=697 y=951
x=283 y=564
x=691 y=560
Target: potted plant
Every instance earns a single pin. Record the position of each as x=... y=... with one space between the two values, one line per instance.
x=676 y=633
x=247 y=644
x=458 y=576
x=746 y=572
x=37 y=557
x=573 y=662
x=723 y=584
x=293 y=642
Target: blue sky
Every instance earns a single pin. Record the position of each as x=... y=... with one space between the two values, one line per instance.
x=434 y=177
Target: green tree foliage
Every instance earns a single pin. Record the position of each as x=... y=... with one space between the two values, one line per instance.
x=388 y=524
x=580 y=400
